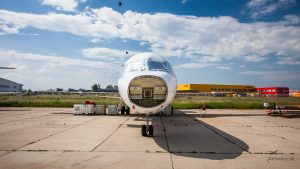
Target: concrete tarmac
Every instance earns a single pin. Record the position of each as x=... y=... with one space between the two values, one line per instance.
x=55 y=138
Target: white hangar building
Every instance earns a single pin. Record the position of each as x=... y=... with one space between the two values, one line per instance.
x=9 y=86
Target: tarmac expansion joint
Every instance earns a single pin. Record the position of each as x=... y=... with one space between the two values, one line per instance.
x=119 y=126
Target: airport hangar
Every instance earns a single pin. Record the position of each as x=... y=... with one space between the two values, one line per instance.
x=9 y=86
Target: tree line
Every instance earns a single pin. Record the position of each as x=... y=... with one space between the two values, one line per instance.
x=97 y=87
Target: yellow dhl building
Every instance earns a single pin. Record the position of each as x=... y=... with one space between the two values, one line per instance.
x=214 y=88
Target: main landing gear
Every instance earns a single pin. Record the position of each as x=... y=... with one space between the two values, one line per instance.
x=125 y=109
x=147 y=130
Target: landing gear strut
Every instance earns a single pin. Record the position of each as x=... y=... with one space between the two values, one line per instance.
x=123 y=110
x=127 y=110
x=147 y=130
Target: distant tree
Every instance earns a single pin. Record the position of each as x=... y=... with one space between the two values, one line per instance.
x=96 y=87
x=26 y=91
x=109 y=87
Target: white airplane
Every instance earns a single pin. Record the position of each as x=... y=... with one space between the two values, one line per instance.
x=147 y=86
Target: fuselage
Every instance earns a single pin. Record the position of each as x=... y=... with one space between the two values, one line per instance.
x=147 y=83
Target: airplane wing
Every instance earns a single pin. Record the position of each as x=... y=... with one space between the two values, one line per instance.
x=7 y=68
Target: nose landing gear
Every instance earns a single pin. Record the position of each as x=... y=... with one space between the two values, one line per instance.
x=147 y=130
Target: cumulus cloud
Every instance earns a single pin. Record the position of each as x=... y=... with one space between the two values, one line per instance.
x=107 y=53
x=201 y=39
x=292 y=19
x=292 y=60
x=274 y=75
x=260 y=8
x=254 y=58
x=49 y=60
x=77 y=24
x=66 y=5
x=194 y=65
x=223 y=67
x=40 y=72
x=203 y=65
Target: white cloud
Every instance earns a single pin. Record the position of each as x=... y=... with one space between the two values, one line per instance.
x=194 y=65
x=255 y=73
x=270 y=66
x=202 y=65
x=9 y=30
x=289 y=60
x=223 y=67
x=40 y=72
x=143 y=43
x=260 y=8
x=96 y=40
x=184 y=1
x=276 y=75
x=66 y=5
x=254 y=58
x=107 y=15
x=77 y=24
x=291 y=19
x=107 y=53
x=211 y=58
x=52 y=61
x=202 y=39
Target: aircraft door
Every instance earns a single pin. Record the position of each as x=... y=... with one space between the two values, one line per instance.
x=148 y=93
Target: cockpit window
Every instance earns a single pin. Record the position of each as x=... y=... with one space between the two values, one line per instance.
x=159 y=65
x=152 y=64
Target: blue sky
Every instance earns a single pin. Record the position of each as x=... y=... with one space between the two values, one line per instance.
x=76 y=43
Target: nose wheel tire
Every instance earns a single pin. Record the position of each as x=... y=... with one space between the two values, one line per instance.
x=150 y=130
x=147 y=132
x=144 y=130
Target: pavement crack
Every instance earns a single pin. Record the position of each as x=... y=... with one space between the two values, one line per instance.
x=119 y=126
x=165 y=133
x=18 y=149
x=56 y=133
x=274 y=135
x=279 y=125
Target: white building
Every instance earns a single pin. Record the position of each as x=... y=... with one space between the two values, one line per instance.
x=9 y=86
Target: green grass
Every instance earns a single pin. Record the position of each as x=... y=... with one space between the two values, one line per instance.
x=230 y=102
x=218 y=105
x=51 y=100
x=178 y=103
